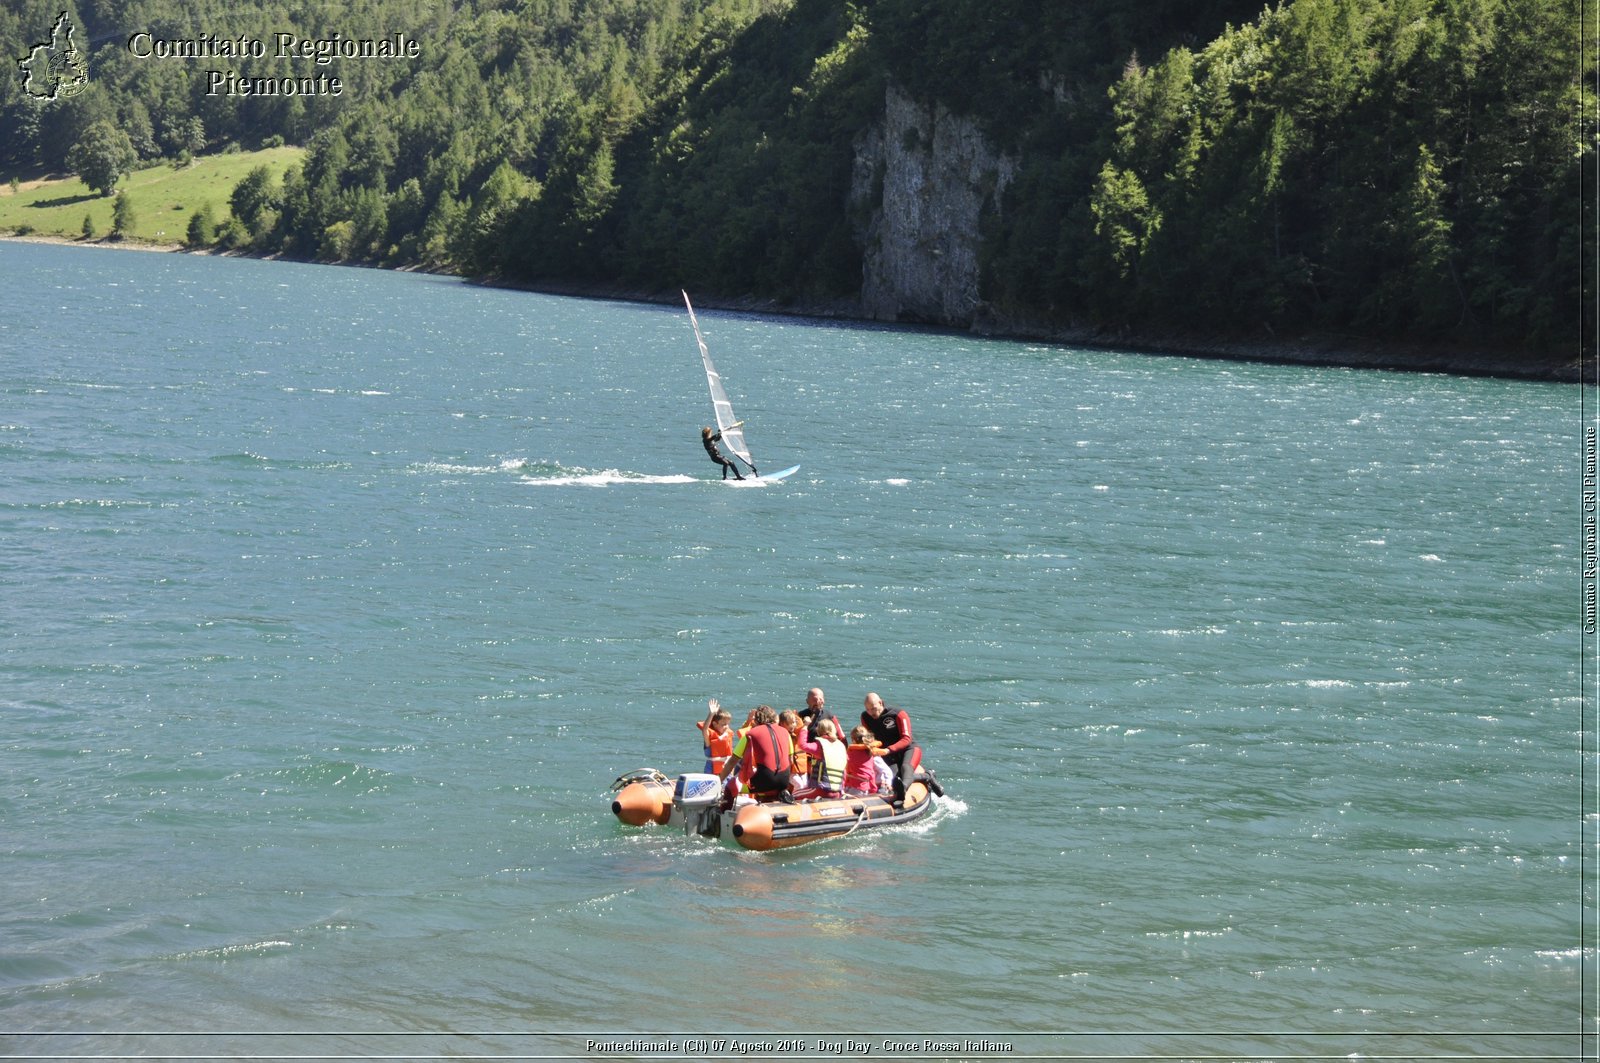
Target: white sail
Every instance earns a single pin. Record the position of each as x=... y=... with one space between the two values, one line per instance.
x=727 y=423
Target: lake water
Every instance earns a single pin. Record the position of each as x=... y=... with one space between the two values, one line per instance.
x=335 y=599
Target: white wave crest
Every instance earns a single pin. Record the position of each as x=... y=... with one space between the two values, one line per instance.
x=604 y=478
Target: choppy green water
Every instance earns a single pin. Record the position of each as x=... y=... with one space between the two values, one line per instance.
x=334 y=599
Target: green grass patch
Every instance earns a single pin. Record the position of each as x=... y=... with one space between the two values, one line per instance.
x=163 y=198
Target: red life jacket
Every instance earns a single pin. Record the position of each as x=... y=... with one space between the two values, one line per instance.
x=772 y=747
x=770 y=755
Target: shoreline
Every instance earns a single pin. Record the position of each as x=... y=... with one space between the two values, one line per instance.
x=1327 y=351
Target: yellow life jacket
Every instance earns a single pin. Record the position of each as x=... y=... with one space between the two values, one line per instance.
x=834 y=754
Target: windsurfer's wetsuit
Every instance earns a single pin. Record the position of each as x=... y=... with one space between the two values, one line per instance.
x=710 y=440
x=892 y=729
x=772 y=750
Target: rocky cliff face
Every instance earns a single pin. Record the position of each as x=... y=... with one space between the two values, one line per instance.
x=924 y=180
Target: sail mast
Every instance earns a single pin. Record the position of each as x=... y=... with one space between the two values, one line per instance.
x=727 y=423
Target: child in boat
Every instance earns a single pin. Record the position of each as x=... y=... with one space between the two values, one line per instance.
x=860 y=773
x=885 y=775
x=716 y=736
x=830 y=758
x=800 y=762
x=740 y=783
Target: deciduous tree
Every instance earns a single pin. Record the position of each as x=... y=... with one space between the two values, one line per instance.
x=103 y=156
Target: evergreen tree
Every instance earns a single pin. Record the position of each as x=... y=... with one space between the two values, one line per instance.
x=202 y=227
x=255 y=200
x=369 y=225
x=122 y=216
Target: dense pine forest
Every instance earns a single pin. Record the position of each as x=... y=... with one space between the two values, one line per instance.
x=1394 y=171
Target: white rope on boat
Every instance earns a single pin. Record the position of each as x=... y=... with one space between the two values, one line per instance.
x=858 y=821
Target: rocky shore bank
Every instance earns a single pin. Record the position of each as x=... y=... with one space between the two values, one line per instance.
x=1332 y=351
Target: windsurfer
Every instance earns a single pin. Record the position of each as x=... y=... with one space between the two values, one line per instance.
x=709 y=440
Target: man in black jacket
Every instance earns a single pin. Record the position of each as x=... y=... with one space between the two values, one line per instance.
x=892 y=728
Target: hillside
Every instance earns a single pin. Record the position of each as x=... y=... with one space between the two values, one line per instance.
x=164 y=198
x=1399 y=175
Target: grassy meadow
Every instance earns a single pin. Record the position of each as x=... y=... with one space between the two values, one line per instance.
x=163 y=197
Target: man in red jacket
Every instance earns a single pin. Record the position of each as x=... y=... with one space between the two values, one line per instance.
x=892 y=728
x=770 y=750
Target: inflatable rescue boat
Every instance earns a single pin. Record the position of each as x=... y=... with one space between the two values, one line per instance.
x=695 y=804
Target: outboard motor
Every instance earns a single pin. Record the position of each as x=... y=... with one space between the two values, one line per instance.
x=697 y=798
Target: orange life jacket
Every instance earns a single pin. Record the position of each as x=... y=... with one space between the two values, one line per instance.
x=719 y=747
x=799 y=760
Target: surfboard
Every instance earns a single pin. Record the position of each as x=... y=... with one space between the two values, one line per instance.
x=766 y=478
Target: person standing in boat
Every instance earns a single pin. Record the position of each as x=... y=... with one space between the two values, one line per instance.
x=892 y=729
x=709 y=440
x=717 y=736
x=735 y=757
x=769 y=751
